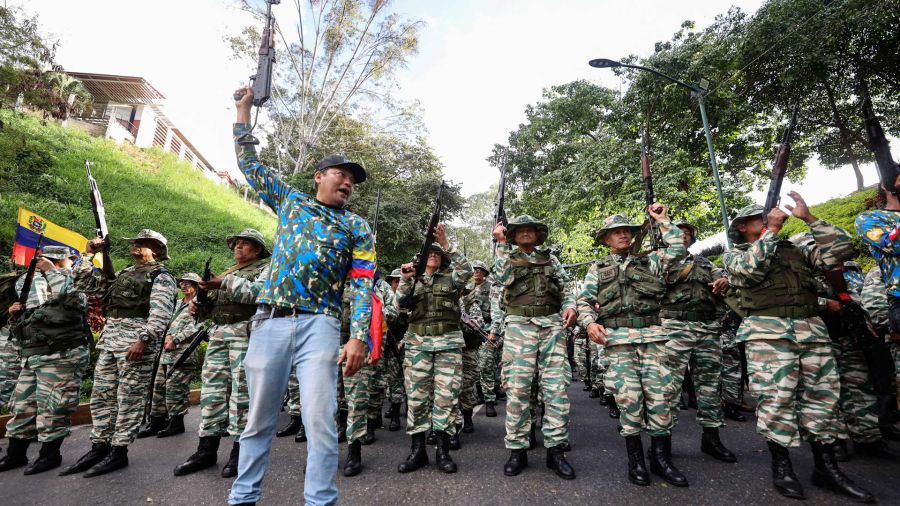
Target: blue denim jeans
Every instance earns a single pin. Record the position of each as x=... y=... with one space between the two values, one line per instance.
x=309 y=344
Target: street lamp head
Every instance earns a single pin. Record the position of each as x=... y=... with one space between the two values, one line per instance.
x=603 y=63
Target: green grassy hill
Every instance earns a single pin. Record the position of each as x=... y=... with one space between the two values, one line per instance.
x=42 y=169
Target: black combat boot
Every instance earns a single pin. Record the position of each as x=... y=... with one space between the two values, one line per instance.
x=613 y=407
x=783 y=477
x=661 y=461
x=841 y=452
x=604 y=399
x=300 y=437
x=595 y=392
x=489 y=410
x=878 y=449
x=291 y=428
x=517 y=462
x=116 y=459
x=394 y=415
x=431 y=438
x=637 y=469
x=556 y=460
x=205 y=456
x=369 y=438
x=498 y=391
x=455 y=442
x=353 y=465
x=48 y=459
x=418 y=456
x=442 y=454
x=156 y=424
x=711 y=445
x=96 y=454
x=826 y=474
x=16 y=454
x=230 y=469
x=468 y=427
x=174 y=427
x=587 y=385
x=342 y=426
x=733 y=412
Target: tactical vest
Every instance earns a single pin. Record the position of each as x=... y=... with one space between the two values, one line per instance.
x=534 y=291
x=129 y=295
x=226 y=312
x=55 y=326
x=483 y=298
x=688 y=296
x=629 y=294
x=435 y=307
x=788 y=290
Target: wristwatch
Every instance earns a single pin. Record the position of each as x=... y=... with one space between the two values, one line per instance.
x=144 y=338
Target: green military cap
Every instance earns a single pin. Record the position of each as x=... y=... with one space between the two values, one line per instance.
x=478 y=264
x=742 y=215
x=617 y=221
x=152 y=235
x=523 y=221
x=692 y=228
x=57 y=253
x=190 y=277
x=251 y=235
x=395 y=274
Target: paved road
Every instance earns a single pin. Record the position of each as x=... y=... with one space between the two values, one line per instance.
x=598 y=456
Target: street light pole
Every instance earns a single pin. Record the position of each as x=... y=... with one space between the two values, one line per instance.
x=697 y=91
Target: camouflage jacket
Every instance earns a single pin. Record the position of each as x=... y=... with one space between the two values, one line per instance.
x=241 y=285
x=477 y=304
x=183 y=324
x=316 y=248
x=875 y=301
x=503 y=276
x=498 y=310
x=880 y=231
x=120 y=333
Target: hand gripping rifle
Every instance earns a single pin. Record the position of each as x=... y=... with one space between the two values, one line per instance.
x=196 y=338
x=779 y=169
x=422 y=258
x=474 y=328
x=100 y=218
x=261 y=81
x=203 y=295
x=888 y=169
x=656 y=240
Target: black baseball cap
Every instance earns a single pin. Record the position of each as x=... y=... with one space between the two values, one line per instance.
x=359 y=173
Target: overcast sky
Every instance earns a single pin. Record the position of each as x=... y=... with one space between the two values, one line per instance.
x=479 y=64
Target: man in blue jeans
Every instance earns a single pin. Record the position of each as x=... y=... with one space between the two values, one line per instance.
x=297 y=326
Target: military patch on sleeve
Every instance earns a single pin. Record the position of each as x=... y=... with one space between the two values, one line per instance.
x=875 y=234
x=608 y=274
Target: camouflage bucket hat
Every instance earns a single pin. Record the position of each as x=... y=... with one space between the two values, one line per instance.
x=151 y=235
x=445 y=260
x=191 y=277
x=478 y=264
x=252 y=235
x=522 y=221
x=395 y=274
x=693 y=229
x=57 y=253
x=616 y=221
x=742 y=215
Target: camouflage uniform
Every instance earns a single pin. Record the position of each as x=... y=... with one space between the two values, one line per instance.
x=732 y=377
x=582 y=354
x=293 y=400
x=489 y=356
x=170 y=395
x=536 y=291
x=782 y=330
x=382 y=379
x=9 y=365
x=398 y=321
x=876 y=303
x=356 y=387
x=477 y=305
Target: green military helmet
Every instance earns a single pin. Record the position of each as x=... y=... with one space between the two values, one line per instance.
x=191 y=277
x=478 y=264
x=742 y=215
x=57 y=253
x=692 y=228
x=617 y=221
x=525 y=220
x=152 y=235
x=252 y=235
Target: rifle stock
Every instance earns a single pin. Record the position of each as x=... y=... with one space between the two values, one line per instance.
x=779 y=169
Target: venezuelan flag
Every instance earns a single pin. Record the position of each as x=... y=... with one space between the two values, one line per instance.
x=363 y=264
x=31 y=225
x=376 y=328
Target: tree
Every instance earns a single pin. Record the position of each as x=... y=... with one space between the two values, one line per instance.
x=25 y=56
x=340 y=57
x=72 y=92
x=476 y=221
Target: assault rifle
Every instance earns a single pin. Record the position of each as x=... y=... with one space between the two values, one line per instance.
x=888 y=169
x=375 y=218
x=261 y=81
x=500 y=200
x=656 y=240
x=196 y=338
x=203 y=295
x=100 y=218
x=474 y=328
x=29 y=274
x=773 y=197
x=422 y=258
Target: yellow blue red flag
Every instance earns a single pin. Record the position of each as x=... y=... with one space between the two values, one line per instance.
x=30 y=226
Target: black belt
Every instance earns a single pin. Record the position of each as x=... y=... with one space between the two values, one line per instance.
x=269 y=311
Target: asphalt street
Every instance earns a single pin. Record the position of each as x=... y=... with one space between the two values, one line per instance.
x=598 y=455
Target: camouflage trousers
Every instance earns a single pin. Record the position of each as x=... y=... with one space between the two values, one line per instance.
x=46 y=395
x=293 y=395
x=599 y=363
x=582 y=353
x=120 y=390
x=699 y=340
x=356 y=396
x=641 y=381
x=536 y=348
x=858 y=400
x=796 y=386
x=376 y=387
x=470 y=375
x=433 y=381
x=488 y=356
x=10 y=365
x=224 y=399
x=393 y=376
x=732 y=390
x=170 y=396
